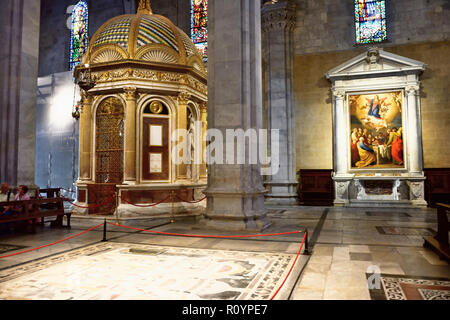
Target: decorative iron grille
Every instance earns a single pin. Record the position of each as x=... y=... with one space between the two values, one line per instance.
x=109 y=141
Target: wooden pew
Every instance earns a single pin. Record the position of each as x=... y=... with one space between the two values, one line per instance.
x=37 y=208
x=439 y=243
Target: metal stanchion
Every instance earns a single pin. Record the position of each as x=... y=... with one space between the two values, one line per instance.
x=306 y=252
x=172 y=214
x=104 y=232
x=116 y=195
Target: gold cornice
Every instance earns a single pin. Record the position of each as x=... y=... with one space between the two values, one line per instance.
x=131 y=64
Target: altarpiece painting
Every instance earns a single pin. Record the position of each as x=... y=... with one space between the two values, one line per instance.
x=376 y=130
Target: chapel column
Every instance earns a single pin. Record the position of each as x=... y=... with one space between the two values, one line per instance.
x=340 y=139
x=181 y=168
x=130 y=136
x=413 y=130
x=85 y=138
x=278 y=26
x=235 y=191
x=19 y=53
x=340 y=144
x=204 y=115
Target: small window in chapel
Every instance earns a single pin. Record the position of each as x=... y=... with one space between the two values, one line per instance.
x=79 y=38
x=370 y=21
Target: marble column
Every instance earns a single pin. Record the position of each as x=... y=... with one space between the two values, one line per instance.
x=183 y=99
x=19 y=53
x=130 y=136
x=235 y=191
x=278 y=22
x=340 y=141
x=204 y=115
x=414 y=128
x=85 y=139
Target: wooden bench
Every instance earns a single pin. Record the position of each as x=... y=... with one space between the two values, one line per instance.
x=439 y=243
x=30 y=210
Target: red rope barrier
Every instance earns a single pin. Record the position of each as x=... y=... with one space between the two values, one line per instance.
x=51 y=244
x=292 y=267
x=89 y=206
x=205 y=236
x=195 y=201
x=145 y=206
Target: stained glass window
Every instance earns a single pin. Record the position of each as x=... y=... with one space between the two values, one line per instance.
x=370 y=21
x=79 y=39
x=199 y=26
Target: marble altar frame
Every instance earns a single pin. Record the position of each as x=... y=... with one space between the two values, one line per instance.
x=372 y=72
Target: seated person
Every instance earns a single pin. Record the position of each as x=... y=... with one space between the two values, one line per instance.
x=4 y=192
x=4 y=195
x=21 y=195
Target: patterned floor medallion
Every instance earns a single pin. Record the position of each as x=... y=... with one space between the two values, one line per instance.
x=405 y=231
x=128 y=271
x=395 y=287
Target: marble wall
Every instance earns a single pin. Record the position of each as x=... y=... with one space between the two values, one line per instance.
x=324 y=38
x=328 y=25
x=313 y=108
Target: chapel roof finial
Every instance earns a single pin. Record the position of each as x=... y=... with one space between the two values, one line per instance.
x=145 y=7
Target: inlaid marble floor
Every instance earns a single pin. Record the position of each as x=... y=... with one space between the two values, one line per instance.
x=347 y=244
x=109 y=271
x=354 y=244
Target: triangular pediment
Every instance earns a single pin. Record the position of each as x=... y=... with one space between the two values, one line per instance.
x=375 y=62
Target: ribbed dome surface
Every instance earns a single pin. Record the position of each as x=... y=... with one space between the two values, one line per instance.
x=147 y=37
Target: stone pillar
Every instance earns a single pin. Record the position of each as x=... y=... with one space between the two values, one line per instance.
x=130 y=136
x=183 y=99
x=413 y=130
x=85 y=138
x=278 y=19
x=235 y=191
x=204 y=115
x=340 y=143
x=340 y=139
x=19 y=53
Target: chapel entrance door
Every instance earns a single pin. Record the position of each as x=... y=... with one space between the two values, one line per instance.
x=155 y=149
x=109 y=140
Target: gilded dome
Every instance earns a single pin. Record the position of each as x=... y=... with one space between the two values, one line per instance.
x=145 y=37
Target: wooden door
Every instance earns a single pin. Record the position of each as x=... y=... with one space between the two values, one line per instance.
x=155 y=149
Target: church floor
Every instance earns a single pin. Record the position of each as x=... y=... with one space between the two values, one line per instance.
x=134 y=264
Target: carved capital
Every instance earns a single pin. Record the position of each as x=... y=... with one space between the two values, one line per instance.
x=183 y=97
x=130 y=93
x=203 y=107
x=278 y=15
x=412 y=90
x=86 y=97
x=338 y=94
